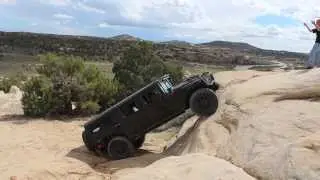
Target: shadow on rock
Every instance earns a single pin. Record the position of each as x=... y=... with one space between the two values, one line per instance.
x=100 y=164
x=182 y=142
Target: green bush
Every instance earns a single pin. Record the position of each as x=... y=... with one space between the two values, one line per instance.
x=139 y=65
x=65 y=81
x=66 y=85
x=14 y=80
x=37 y=98
x=5 y=84
x=89 y=107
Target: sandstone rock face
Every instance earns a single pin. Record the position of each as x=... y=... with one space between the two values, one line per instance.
x=271 y=140
x=10 y=102
x=187 y=167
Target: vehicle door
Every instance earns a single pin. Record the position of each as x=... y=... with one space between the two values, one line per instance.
x=153 y=108
x=133 y=113
x=170 y=101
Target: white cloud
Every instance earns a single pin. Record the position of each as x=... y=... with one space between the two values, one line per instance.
x=104 y=25
x=83 y=6
x=7 y=2
x=197 y=20
x=56 y=2
x=62 y=16
x=229 y=20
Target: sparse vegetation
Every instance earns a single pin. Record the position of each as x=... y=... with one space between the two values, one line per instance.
x=64 y=82
x=139 y=66
x=67 y=85
x=110 y=49
x=12 y=80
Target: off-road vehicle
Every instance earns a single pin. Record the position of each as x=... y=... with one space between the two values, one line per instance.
x=120 y=130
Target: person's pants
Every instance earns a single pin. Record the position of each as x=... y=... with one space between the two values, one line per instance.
x=314 y=56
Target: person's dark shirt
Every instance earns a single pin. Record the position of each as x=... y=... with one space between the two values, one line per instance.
x=318 y=35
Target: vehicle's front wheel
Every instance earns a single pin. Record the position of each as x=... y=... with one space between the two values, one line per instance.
x=204 y=102
x=120 y=147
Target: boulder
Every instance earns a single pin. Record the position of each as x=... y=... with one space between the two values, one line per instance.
x=186 y=167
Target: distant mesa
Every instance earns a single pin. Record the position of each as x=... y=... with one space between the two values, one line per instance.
x=125 y=37
x=232 y=45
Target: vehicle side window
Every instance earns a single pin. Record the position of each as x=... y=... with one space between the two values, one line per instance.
x=165 y=86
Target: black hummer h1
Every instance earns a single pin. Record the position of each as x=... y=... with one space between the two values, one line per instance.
x=120 y=130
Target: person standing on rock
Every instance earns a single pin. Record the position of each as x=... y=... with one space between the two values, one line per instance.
x=314 y=55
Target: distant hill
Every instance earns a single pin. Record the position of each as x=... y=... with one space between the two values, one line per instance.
x=245 y=47
x=177 y=42
x=231 y=45
x=220 y=53
x=126 y=37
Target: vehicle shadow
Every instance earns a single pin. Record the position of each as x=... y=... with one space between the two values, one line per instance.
x=100 y=164
x=141 y=159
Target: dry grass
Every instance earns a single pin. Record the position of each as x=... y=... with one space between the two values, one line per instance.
x=308 y=93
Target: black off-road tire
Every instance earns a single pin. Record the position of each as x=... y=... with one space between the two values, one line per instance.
x=120 y=148
x=139 y=142
x=204 y=102
x=88 y=145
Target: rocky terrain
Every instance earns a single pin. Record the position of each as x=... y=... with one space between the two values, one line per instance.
x=266 y=128
x=218 y=53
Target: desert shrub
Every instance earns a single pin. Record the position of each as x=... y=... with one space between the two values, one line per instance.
x=5 y=84
x=139 y=65
x=89 y=107
x=65 y=85
x=14 y=80
x=37 y=96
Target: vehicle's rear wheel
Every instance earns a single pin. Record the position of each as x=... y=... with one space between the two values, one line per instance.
x=120 y=147
x=204 y=102
x=139 y=142
x=89 y=145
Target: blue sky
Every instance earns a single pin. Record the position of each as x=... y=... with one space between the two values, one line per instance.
x=278 y=20
x=271 y=24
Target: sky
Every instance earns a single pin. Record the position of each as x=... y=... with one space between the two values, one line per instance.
x=269 y=24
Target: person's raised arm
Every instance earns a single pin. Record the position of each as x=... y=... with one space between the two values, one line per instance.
x=317 y=27
x=306 y=25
